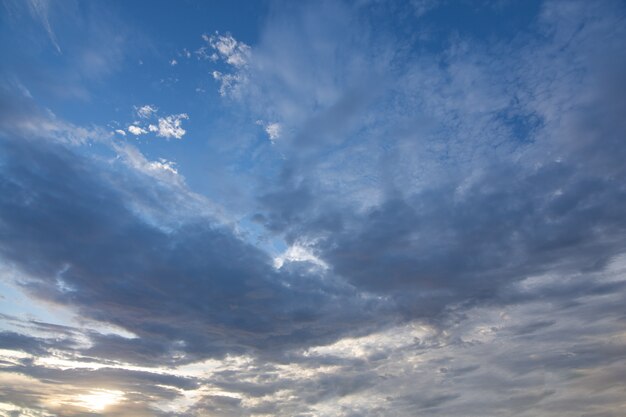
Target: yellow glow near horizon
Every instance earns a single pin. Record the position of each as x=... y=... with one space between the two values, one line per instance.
x=99 y=399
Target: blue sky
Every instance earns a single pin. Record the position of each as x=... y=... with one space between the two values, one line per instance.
x=369 y=208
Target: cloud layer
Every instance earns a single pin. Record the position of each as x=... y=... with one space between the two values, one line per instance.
x=435 y=225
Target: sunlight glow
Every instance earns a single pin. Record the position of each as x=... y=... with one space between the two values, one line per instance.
x=98 y=400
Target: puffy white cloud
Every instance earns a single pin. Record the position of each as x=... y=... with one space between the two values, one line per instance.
x=298 y=253
x=273 y=130
x=167 y=127
x=136 y=130
x=232 y=51
x=164 y=165
x=120 y=132
x=170 y=126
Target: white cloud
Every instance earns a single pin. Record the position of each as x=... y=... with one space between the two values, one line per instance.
x=167 y=127
x=163 y=165
x=173 y=62
x=273 y=130
x=161 y=169
x=136 y=130
x=229 y=83
x=120 y=132
x=232 y=51
x=298 y=253
x=170 y=126
x=147 y=111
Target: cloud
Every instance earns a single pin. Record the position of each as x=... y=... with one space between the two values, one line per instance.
x=136 y=130
x=87 y=45
x=424 y=180
x=273 y=130
x=233 y=52
x=440 y=231
x=161 y=169
x=251 y=306
x=40 y=10
x=165 y=165
x=146 y=111
x=298 y=253
x=21 y=116
x=228 y=82
x=394 y=371
x=170 y=126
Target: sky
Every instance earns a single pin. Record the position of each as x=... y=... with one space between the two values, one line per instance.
x=313 y=209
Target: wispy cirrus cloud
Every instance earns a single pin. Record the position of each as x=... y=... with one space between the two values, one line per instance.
x=40 y=10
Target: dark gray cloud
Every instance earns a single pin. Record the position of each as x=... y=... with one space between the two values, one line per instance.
x=21 y=342
x=71 y=230
x=509 y=226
